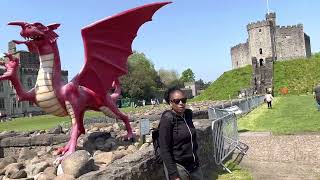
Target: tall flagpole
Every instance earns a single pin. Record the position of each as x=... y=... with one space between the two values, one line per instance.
x=268 y=6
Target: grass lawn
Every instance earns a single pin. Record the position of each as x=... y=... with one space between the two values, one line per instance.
x=237 y=174
x=48 y=121
x=290 y=115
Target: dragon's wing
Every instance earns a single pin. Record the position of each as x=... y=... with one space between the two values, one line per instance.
x=107 y=45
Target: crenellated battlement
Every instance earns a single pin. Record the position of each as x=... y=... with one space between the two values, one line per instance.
x=240 y=45
x=271 y=15
x=258 y=24
x=297 y=26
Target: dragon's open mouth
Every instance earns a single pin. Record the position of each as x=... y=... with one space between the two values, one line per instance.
x=34 y=38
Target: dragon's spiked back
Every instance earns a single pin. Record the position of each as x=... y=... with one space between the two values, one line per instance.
x=36 y=34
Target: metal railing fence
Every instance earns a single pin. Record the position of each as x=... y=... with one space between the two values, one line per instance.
x=225 y=129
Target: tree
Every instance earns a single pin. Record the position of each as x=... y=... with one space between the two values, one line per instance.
x=202 y=84
x=187 y=76
x=168 y=76
x=140 y=82
x=176 y=83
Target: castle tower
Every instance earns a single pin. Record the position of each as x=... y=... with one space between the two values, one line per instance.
x=12 y=47
x=262 y=50
x=260 y=40
x=271 y=18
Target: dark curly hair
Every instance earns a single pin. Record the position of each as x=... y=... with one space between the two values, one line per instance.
x=169 y=92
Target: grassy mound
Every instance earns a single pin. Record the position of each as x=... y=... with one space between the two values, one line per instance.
x=299 y=76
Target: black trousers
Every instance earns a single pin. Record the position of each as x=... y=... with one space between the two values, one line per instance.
x=269 y=104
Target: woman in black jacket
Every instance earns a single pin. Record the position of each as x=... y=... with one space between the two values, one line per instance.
x=177 y=139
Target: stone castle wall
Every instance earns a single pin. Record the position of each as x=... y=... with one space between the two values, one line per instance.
x=290 y=42
x=240 y=55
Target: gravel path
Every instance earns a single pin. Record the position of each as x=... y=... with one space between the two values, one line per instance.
x=289 y=157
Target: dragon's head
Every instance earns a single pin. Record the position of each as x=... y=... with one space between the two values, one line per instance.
x=36 y=34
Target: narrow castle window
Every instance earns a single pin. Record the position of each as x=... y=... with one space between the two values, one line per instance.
x=260 y=50
x=261 y=62
x=237 y=63
x=259 y=30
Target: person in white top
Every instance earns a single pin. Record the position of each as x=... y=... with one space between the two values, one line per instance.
x=268 y=98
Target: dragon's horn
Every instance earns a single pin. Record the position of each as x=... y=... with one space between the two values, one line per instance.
x=17 y=23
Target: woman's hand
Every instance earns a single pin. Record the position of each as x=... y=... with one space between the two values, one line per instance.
x=177 y=179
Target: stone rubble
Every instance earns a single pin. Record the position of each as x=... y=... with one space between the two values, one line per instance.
x=32 y=153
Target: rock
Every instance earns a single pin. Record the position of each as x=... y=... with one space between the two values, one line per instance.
x=116 y=127
x=6 y=161
x=15 y=142
x=103 y=158
x=49 y=149
x=145 y=145
x=110 y=143
x=94 y=129
x=100 y=144
x=59 y=170
x=18 y=175
x=64 y=177
x=33 y=169
x=41 y=152
x=77 y=163
x=36 y=177
x=155 y=124
x=118 y=154
x=132 y=149
x=35 y=160
x=108 y=129
x=6 y=178
x=137 y=132
x=56 y=130
x=148 y=138
x=136 y=144
x=50 y=170
x=121 y=148
x=90 y=139
x=43 y=176
x=26 y=153
x=13 y=169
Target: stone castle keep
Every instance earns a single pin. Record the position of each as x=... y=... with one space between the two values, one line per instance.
x=267 y=40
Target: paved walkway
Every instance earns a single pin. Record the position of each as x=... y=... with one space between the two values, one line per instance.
x=289 y=157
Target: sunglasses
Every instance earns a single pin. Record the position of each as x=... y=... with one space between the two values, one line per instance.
x=177 y=101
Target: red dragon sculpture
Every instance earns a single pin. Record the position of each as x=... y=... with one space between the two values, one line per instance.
x=107 y=45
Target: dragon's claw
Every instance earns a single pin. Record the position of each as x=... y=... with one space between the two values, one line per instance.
x=61 y=158
x=129 y=137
